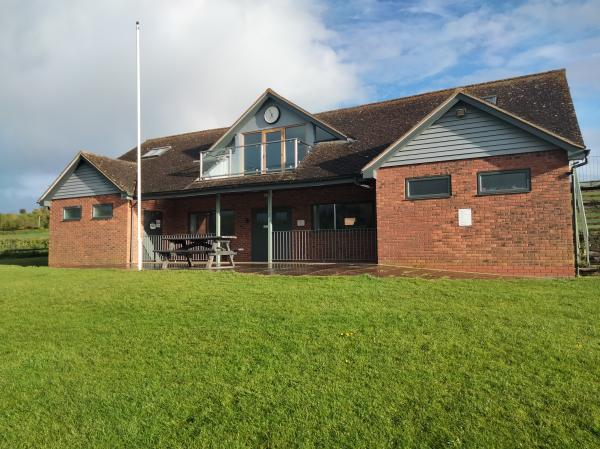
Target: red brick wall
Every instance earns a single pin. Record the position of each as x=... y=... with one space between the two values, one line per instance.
x=89 y=242
x=518 y=234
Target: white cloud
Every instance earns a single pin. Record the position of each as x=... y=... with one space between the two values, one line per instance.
x=68 y=72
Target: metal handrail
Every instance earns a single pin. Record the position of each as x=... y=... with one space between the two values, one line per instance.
x=581 y=225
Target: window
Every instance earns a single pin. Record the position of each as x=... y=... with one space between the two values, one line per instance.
x=507 y=181
x=72 y=213
x=206 y=222
x=252 y=153
x=343 y=216
x=272 y=150
x=155 y=152
x=428 y=187
x=102 y=211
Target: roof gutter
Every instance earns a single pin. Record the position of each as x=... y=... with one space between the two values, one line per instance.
x=250 y=188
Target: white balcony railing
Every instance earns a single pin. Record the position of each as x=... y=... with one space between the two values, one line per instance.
x=261 y=158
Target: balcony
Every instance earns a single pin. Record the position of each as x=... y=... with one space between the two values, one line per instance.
x=275 y=156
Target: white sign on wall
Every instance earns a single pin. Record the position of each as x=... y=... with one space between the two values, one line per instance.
x=464 y=217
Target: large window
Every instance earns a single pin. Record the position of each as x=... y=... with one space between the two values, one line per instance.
x=206 y=222
x=343 y=216
x=72 y=213
x=102 y=211
x=273 y=149
x=507 y=181
x=428 y=187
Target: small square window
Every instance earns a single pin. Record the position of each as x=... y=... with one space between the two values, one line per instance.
x=507 y=181
x=72 y=213
x=428 y=187
x=102 y=211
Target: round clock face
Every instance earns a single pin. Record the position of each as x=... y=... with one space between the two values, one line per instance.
x=271 y=114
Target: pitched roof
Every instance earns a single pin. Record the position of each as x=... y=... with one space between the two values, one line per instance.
x=119 y=172
x=542 y=99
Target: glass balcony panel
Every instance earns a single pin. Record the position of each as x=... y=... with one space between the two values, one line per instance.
x=273 y=148
x=216 y=163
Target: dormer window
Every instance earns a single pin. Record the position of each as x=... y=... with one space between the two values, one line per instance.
x=260 y=152
x=274 y=149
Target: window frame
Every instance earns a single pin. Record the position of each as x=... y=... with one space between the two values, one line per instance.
x=504 y=192
x=208 y=214
x=335 y=215
x=112 y=211
x=410 y=197
x=72 y=219
x=263 y=147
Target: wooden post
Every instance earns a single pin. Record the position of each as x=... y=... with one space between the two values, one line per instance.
x=270 y=227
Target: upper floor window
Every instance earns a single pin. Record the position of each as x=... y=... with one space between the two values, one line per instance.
x=428 y=187
x=102 y=211
x=72 y=213
x=505 y=181
x=266 y=151
x=274 y=149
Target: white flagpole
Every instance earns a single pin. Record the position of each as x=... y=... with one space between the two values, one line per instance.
x=139 y=154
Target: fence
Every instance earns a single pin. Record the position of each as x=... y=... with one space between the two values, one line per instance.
x=591 y=171
x=339 y=245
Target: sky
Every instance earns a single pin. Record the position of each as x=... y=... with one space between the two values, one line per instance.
x=67 y=67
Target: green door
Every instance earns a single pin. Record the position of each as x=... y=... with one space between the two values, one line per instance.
x=282 y=221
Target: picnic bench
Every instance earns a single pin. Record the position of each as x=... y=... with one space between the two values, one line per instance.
x=215 y=247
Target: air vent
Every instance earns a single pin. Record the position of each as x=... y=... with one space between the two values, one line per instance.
x=155 y=152
x=461 y=112
x=493 y=99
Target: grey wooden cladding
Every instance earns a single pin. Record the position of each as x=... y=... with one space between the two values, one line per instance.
x=84 y=181
x=478 y=134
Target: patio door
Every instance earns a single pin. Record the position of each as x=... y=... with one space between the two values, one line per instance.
x=282 y=221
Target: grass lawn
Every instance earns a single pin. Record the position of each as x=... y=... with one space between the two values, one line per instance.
x=25 y=234
x=116 y=359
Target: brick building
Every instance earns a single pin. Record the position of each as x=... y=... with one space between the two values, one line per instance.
x=473 y=179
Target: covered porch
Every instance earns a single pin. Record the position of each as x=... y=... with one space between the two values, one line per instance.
x=334 y=223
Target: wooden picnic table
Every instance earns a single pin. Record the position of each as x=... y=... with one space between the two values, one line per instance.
x=214 y=247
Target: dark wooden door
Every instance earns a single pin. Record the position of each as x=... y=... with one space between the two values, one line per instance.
x=282 y=221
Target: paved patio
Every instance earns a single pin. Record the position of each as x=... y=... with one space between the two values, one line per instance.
x=335 y=269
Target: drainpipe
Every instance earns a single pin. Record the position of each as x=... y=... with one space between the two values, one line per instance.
x=270 y=228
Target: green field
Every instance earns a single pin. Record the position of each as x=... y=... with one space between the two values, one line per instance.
x=24 y=234
x=29 y=243
x=117 y=359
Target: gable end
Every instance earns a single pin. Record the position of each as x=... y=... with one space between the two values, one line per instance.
x=84 y=181
x=474 y=135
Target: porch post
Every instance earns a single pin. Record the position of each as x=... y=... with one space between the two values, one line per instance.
x=270 y=227
x=218 y=222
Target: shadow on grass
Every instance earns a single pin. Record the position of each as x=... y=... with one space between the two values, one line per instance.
x=33 y=261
